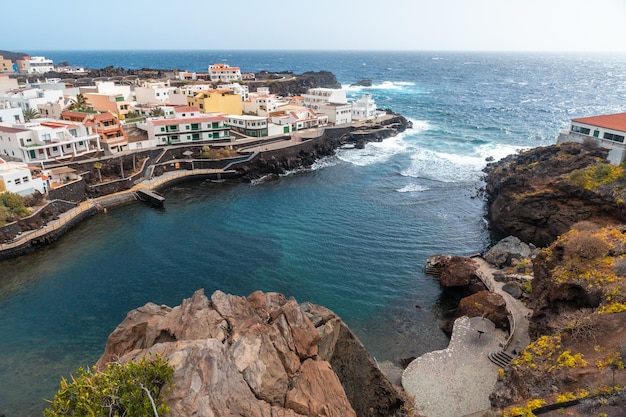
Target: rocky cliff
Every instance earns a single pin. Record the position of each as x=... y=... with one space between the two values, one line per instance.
x=259 y=356
x=539 y=194
x=289 y=84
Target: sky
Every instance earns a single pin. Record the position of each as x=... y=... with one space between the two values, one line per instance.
x=421 y=25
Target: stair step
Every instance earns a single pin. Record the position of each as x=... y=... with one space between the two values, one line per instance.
x=500 y=358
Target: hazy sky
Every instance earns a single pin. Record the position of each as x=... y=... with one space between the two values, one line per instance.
x=433 y=25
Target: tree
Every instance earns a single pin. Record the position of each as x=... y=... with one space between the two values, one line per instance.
x=130 y=389
x=98 y=166
x=79 y=103
x=30 y=113
x=157 y=112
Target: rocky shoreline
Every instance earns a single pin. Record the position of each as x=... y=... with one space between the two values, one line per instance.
x=162 y=168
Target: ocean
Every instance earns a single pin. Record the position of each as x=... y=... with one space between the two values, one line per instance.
x=351 y=233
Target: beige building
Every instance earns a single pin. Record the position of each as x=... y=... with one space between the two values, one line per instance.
x=6 y=65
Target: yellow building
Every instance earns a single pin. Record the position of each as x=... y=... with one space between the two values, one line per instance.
x=6 y=65
x=217 y=101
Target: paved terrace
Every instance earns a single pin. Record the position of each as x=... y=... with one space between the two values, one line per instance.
x=458 y=380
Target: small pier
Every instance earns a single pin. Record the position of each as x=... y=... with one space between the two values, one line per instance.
x=150 y=196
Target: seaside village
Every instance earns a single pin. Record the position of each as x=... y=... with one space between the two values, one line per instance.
x=51 y=122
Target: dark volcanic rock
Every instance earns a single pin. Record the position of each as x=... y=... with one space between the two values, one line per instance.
x=530 y=196
x=362 y=83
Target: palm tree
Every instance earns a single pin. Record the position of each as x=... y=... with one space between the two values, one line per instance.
x=30 y=113
x=157 y=112
x=79 y=103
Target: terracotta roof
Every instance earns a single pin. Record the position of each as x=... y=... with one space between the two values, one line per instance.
x=104 y=116
x=57 y=124
x=62 y=170
x=180 y=109
x=7 y=129
x=609 y=121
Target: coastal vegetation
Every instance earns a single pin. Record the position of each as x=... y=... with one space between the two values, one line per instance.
x=12 y=207
x=122 y=389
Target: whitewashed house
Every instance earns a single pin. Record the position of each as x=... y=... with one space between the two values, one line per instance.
x=30 y=98
x=154 y=92
x=224 y=73
x=47 y=140
x=35 y=65
x=364 y=108
x=9 y=115
x=316 y=97
x=256 y=126
x=16 y=177
x=608 y=131
x=188 y=126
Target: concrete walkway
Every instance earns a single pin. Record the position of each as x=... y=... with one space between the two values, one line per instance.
x=458 y=380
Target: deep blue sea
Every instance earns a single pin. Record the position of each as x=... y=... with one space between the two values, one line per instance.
x=352 y=233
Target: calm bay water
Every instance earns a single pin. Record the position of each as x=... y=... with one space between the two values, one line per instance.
x=351 y=233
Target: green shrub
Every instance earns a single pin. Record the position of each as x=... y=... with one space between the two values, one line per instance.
x=130 y=389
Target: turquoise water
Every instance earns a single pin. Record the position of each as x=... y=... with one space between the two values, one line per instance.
x=351 y=233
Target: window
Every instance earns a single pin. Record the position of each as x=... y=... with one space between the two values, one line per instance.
x=17 y=181
x=614 y=137
x=73 y=132
x=46 y=137
x=596 y=133
x=162 y=129
x=582 y=130
x=25 y=179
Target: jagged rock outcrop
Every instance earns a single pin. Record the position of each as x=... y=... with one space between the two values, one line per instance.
x=529 y=194
x=260 y=356
x=289 y=84
x=362 y=83
x=485 y=304
x=507 y=249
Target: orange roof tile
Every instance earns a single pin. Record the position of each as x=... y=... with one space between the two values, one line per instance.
x=180 y=109
x=609 y=121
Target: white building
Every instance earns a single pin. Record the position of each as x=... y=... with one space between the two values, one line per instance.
x=248 y=125
x=608 y=131
x=364 y=108
x=9 y=115
x=47 y=140
x=37 y=65
x=224 y=73
x=297 y=118
x=261 y=103
x=16 y=177
x=29 y=98
x=185 y=128
x=316 y=97
x=154 y=92
x=338 y=114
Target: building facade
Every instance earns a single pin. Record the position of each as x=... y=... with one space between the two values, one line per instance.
x=16 y=177
x=224 y=73
x=203 y=128
x=608 y=131
x=217 y=101
x=47 y=140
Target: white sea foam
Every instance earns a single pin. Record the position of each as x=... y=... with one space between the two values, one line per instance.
x=385 y=85
x=413 y=188
x=325 y=162
x=454 y=167
x=375 y=152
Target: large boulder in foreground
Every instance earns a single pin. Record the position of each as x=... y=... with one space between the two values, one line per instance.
x=258 y=356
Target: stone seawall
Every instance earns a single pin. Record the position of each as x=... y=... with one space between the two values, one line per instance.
x=272 y=161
